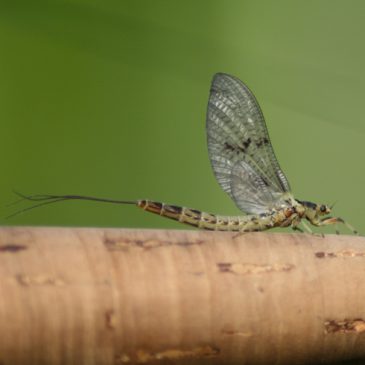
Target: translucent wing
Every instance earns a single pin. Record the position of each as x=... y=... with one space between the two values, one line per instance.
x=240 y=151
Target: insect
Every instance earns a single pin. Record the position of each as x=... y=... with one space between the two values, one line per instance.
x=245 y=166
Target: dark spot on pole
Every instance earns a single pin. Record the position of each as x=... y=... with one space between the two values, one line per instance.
x=188 y=243
x=110 y=319
x=12 y=247
x=224 y=266
x=346 y=325
x=320 y=254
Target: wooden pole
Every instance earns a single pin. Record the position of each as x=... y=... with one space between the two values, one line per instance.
x=118 y=296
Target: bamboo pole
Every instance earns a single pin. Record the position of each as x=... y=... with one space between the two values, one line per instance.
x=118 y=296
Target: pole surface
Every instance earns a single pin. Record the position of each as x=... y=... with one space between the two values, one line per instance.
x=118 y=296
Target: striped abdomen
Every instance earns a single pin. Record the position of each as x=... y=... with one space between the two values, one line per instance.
x=193 y=217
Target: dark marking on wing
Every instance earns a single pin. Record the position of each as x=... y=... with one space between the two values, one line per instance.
x=247 y=143
x=229 y=146
x=264 y=181
x=236 y=148
x=281 y=182
x=262 y=141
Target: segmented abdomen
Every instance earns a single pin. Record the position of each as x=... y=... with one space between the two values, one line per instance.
x=193 y=217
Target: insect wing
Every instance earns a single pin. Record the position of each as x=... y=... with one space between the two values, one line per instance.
x=251 y=192
x=239 y=147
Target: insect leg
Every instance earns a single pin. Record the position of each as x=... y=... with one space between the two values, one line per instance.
x=295 y=223
x=307 y=228
x=334 y=220
x=296 y=228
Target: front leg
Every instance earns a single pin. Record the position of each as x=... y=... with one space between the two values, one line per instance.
x=334 y=220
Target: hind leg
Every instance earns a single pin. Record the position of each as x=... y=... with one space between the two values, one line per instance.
x=295 y=226
x=308 y=229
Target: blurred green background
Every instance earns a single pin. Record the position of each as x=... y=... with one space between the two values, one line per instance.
x=108 y=98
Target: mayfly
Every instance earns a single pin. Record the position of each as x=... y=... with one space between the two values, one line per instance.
x=245 y=166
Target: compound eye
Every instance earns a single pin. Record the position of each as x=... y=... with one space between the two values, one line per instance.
x=323 y=208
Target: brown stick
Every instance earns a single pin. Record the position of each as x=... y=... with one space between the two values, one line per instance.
x=115 y=296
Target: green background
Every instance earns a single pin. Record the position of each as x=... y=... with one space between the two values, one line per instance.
x=109 y=99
